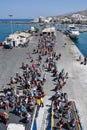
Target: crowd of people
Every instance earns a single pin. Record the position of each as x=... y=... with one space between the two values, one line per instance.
x=64 y=116
x=26 y=90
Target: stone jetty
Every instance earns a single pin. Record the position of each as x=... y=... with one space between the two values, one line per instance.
x=10 y=62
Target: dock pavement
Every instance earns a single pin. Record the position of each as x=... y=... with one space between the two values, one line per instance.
x=76 y=84
x=76 y=87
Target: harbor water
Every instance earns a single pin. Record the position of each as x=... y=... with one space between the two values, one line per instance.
x=81 y=43
x=5 y=30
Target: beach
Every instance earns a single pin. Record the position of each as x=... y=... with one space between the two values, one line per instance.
x=11 y=60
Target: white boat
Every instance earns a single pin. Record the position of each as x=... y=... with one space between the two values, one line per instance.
x=73 y=31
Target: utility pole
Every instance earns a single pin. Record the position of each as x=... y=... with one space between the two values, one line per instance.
x=11 y=23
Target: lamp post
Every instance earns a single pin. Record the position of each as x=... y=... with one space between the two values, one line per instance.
x=11 y=22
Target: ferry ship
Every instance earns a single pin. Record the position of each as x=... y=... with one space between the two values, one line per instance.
x=73 y=31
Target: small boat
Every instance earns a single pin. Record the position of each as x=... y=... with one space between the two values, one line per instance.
x=73 y=31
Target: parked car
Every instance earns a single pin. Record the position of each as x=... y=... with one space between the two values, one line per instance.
x=7 y=46
x=14 y=126
x=1 y=44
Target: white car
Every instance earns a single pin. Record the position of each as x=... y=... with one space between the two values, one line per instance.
x=13 y=126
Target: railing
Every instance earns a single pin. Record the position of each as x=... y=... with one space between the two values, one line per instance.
x=77 y=117
x=33 y=127
x=52 y=117
x=79 y=125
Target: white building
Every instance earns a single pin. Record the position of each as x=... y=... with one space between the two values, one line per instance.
x=66 y=19
x=42 y=19
x=79 y=17
x=36 y=20
x=17 y=39
x=49 y=30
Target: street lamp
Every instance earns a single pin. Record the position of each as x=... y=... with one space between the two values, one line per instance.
x=11 y=22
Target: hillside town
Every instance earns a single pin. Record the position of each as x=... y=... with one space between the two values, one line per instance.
x=77 y=18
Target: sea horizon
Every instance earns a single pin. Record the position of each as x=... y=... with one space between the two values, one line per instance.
x=15 y=19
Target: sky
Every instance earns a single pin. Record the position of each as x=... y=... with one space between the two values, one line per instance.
x=35 y=8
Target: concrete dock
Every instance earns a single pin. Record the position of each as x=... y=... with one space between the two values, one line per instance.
x=10 y=62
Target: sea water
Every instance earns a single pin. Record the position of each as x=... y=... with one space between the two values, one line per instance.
x=81 y=43
x=6 y=29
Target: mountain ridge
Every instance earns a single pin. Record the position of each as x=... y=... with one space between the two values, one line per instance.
x=82 y=12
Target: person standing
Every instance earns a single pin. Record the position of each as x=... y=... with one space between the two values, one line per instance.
x=41 y=102
x=44 y=77
x=84 y=60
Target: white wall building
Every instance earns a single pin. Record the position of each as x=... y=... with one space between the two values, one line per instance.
x=36 y=20
x=79 y=17
x=17 y=39
x=66 y=19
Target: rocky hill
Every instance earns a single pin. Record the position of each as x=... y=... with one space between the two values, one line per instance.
x=84 y=12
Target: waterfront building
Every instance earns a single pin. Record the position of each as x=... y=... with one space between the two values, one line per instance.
x=17 y=39
x=66 y=20
x=79 y=17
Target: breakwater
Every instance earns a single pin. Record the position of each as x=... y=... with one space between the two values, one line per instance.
x=19 y=22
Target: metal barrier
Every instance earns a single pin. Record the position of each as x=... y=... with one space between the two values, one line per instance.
x=77 y=117
x=52 y=117
x=34 y=125
x=79 y=126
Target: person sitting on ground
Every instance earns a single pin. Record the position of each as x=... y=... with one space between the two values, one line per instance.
x=66 y=75
x=5 y=90
x=60 y=123
x=22 y=109
x=66 y=97
x=28 y=117
x=6 y=104
x=73 y=123
x=59 y=55
x=44 y=77
x=12 y=80
x=5 y=117
x=16 y=109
